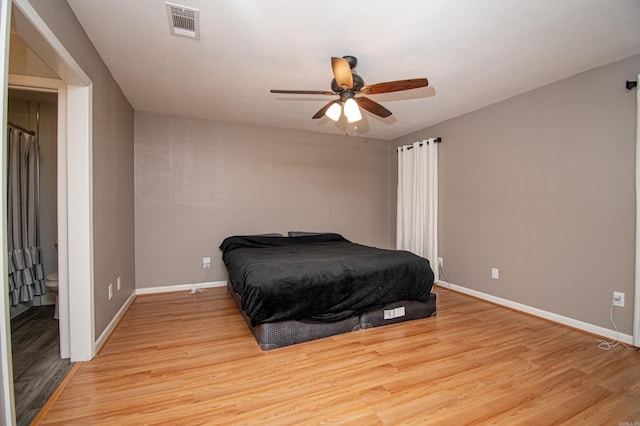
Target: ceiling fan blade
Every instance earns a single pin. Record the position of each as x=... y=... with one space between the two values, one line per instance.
x=373 y=107
x=395 y=86
x=342 y=73
x=303 y=92
x=324 y=109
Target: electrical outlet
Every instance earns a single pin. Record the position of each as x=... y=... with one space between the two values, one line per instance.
x=206 y=262
x=618 y=299
x=495 y=273
x=440 y=262
x=110 y=291
x=118 y=284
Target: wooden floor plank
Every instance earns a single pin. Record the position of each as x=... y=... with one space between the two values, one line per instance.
x=37 y=367
x=189 y=359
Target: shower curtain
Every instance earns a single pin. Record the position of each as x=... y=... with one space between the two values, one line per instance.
x=26 y=272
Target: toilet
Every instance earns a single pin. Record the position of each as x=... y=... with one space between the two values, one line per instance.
x=51 y=283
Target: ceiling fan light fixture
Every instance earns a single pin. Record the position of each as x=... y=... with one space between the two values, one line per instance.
x=334 y=111
x=351 y=110
x=347 y=84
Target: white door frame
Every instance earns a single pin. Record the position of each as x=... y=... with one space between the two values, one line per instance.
x=76 y=215
x=636 y=299
x=7 y=409
x=75 y=203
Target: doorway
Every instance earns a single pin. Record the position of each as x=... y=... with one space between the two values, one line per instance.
x=74 y=156
x=35 y=338
x=75 y=223
x=36 y=100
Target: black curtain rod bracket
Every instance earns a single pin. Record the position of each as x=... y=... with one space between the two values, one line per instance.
x=436 y=140
x=631 y=84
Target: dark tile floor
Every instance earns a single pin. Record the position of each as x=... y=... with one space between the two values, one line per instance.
x=37 y=367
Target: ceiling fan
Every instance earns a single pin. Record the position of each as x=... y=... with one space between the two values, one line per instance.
x=347 y=84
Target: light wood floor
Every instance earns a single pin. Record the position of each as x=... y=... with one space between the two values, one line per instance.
x=183 y=359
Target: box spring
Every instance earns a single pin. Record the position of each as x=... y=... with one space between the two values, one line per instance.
x=404 y=310
x=285 y=333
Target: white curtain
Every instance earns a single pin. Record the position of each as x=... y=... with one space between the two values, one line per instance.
x=26 y=272
x=417 y=207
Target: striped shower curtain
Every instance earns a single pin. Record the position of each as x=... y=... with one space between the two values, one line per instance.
x=26 y=272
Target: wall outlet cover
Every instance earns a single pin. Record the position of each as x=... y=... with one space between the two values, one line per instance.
x=618 y=299
x=495 y=273
x=206 y=262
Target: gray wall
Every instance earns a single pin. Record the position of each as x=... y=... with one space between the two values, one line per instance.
x=198 y=182
x=541 y=186
x=113 y=203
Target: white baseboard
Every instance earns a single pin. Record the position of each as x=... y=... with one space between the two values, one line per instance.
x=574 y=323
x=150 y=290
x=45 y=299
x=179 y=287
x=114 y=322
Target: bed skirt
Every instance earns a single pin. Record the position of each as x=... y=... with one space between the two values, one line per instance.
x=284 y=333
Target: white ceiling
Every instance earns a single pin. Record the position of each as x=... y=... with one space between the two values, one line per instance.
x=473 y=52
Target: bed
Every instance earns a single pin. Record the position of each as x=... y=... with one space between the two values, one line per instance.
x=304 y=287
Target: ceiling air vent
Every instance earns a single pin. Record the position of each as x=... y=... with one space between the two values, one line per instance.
x=184 y=21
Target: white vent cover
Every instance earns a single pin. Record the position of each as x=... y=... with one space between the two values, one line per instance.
x=184 y=21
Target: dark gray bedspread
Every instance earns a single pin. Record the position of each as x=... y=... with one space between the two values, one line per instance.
x=320 y=278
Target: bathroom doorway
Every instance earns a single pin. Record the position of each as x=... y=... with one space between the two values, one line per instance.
x=75 y=224
x=37 y=364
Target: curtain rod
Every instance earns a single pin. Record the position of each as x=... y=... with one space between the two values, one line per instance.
x=437 y=140
x=31 y=132
x=631 y=84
